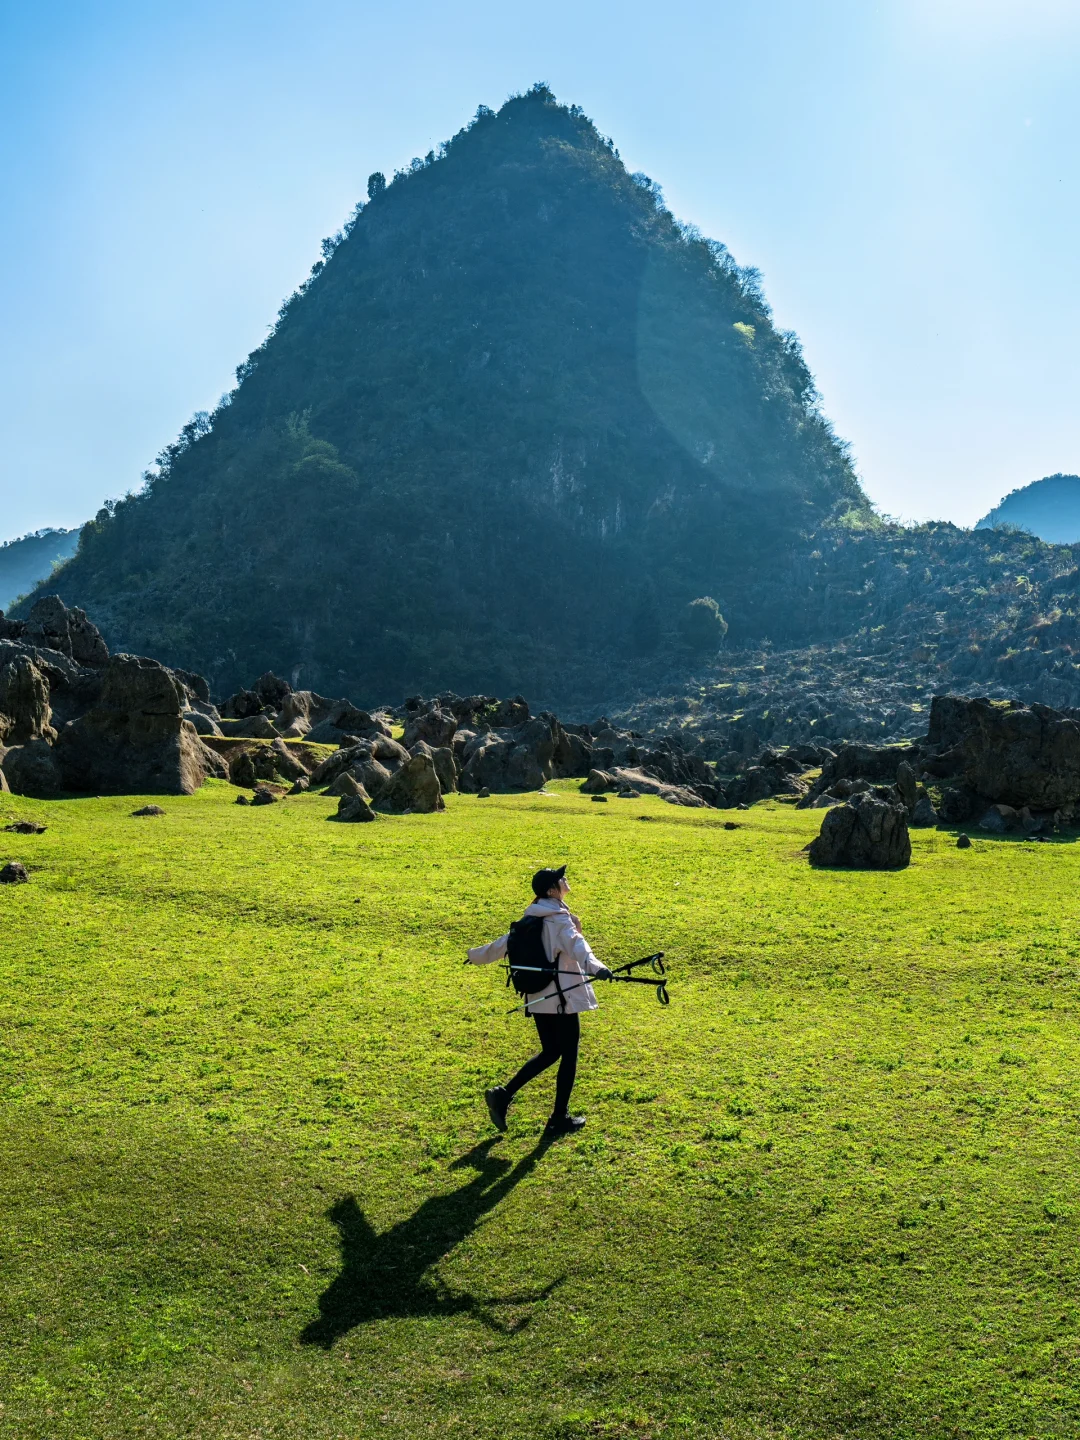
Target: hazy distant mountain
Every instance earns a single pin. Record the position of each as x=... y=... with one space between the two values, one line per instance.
x=25 y=562
x=1048 y=508
x=511 y=425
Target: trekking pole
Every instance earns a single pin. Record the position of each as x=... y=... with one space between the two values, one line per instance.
x=660 y=986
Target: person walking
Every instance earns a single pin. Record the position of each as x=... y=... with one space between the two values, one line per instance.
x=556 y=1008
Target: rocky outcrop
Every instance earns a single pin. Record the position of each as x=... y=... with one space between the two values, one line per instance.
x=865 y=833
x=276 y=763
x=135 y=739
x=52 y=626
x=414 y=787
x=25 y=712
x=371 y=762
x=1022 y=755
x=434 y=726
x=517 y=757
x=326 y=722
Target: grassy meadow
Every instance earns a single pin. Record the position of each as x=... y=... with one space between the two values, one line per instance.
x=248 y=1187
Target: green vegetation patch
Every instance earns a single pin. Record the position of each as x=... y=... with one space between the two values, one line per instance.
x=250 y=1187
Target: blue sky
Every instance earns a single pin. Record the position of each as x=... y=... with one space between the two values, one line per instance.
x=904 y=173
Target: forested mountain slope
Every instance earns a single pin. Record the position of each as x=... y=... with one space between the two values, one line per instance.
x=511 y=425
x=28 y=560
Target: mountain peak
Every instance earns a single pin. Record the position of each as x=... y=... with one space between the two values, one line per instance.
x=515 y=420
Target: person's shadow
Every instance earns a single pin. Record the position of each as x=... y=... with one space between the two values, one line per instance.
x=386 y=1275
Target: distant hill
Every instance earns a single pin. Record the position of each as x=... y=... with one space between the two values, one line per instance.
x=1048 y=508
x=515 y=420
x=25 y=562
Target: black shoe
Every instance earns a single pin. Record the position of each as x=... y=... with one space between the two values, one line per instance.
x=497 y=1101
x=565 y=1124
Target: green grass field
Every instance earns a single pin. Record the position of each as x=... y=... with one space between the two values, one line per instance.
x=249 y=1188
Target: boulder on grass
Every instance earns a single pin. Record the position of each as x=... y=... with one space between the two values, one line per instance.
x=14 y=873
x=32 y=769
x=346 y=784
x=442 y=757
x=907 y=786
x=26 y=827
x=598 y=783
x=865 y=833
x=149 y=810
x=638 y=782
x=924 y=813
x=263 y=796
x=355 y=809
x=414 y=787
x=1025 y=755
x=1000 y=820
x=135 y=738
x=516 y=757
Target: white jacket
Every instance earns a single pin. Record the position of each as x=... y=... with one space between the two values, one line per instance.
x=576 y=961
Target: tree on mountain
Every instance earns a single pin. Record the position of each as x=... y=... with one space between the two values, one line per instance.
x=701 y=625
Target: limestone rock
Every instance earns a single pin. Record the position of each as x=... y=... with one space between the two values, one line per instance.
x=271 y=690
x=300 y=786
x=355 y=809
x=597 y=783
x=924 y=813
x=14 y=873
x=286 y=763
x=263 y=796
x=149 y=810
x=242 y=706
x=442 y=757
x=511 y=758
x=53 y=626
x=414 y=787
x=907 y=786
x=1025 y=755
x=963 y=842
x=638 y=783
x=135 y=738
x=865 y=833
x=201 y=723
x=435 y=726
x=26 y=827
x=1000 y=819
x=304 y=713
x=346 y=784
x=32 y=769
x=25 y=712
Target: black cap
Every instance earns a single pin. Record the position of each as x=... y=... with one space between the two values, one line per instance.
x=545 y=880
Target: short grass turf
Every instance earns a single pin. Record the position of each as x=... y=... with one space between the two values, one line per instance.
x=249 y=1188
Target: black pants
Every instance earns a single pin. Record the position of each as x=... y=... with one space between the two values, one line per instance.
x=559 y=1035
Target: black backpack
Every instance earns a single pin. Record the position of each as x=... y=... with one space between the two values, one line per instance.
x=530 y=969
